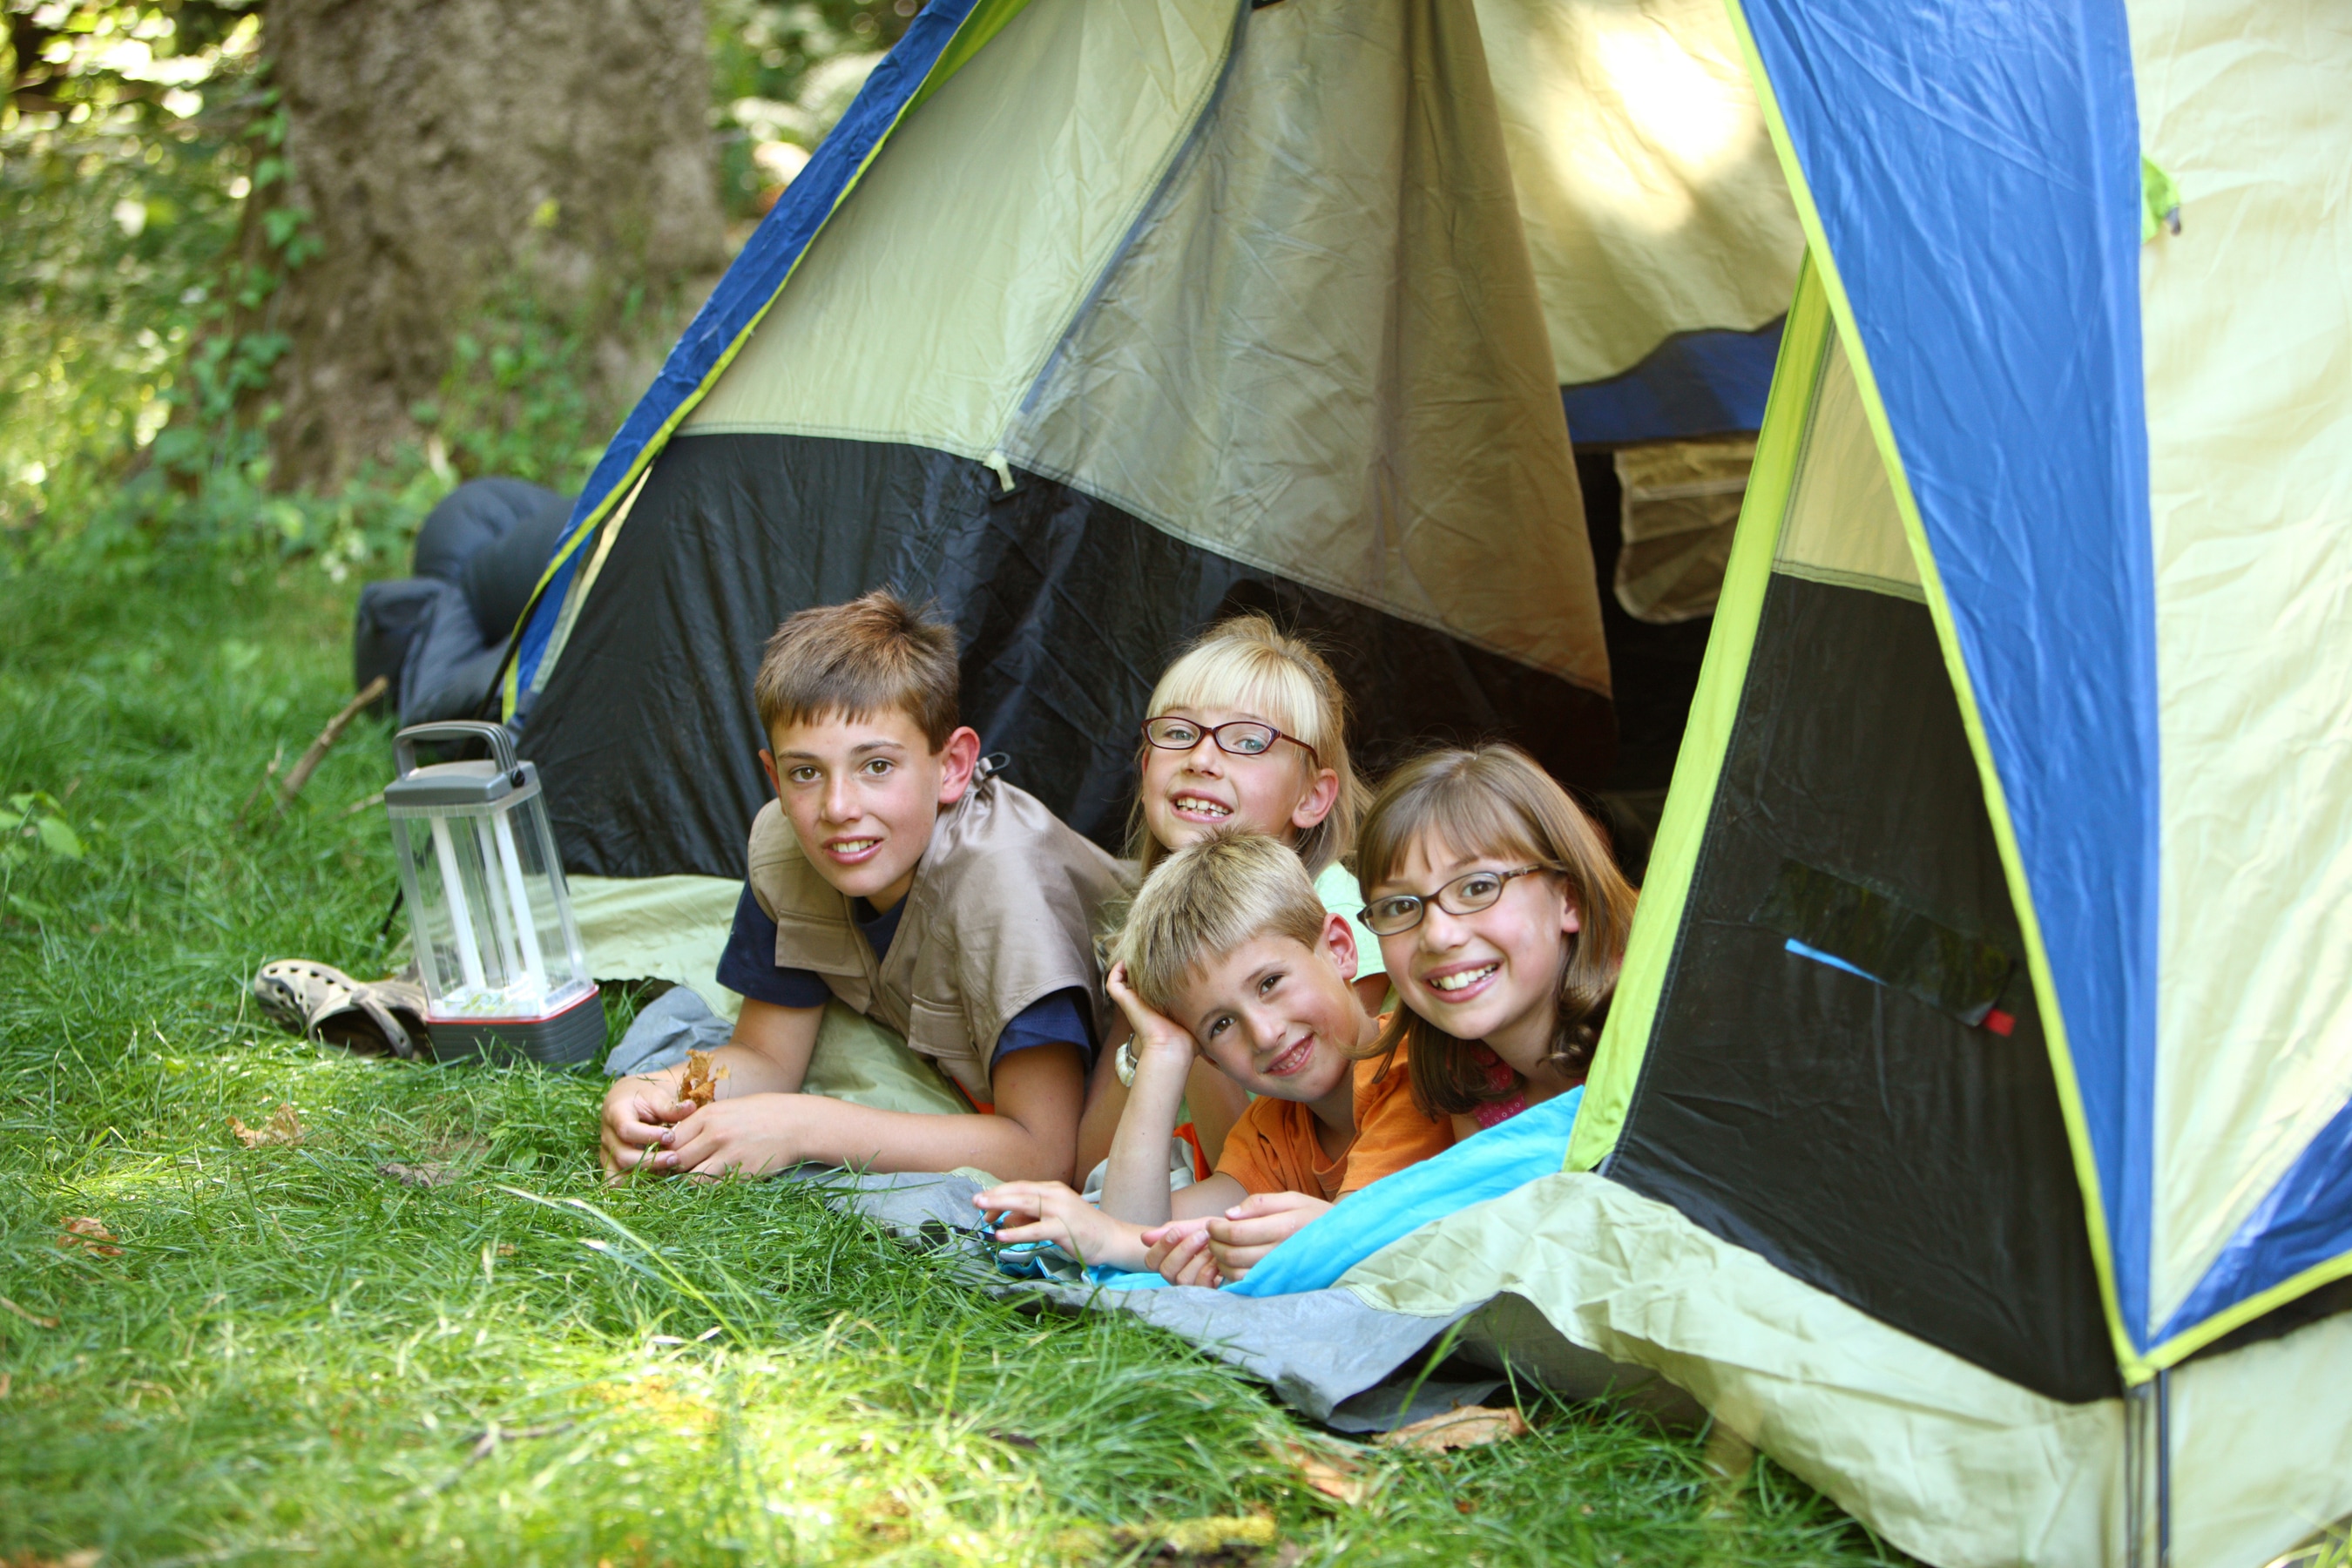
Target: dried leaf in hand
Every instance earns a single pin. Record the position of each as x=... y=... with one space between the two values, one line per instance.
x=1465 y=1426
x=701 y=1084
x=284 y=1126
x=86 y=1232
x=1333 y=1475
x=35 y=1318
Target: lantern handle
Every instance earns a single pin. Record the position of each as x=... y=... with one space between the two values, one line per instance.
x=501 y=744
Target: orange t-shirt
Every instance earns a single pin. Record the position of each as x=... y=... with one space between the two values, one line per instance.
x=1273 y=1148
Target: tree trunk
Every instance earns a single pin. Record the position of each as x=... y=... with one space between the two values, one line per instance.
x=447 y=148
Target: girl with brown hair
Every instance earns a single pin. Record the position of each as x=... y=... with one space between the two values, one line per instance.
x=1502 y=919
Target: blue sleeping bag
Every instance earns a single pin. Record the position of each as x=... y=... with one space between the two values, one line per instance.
x=1500 y=1160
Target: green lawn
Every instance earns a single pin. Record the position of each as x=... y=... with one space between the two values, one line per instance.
x=296 y=1356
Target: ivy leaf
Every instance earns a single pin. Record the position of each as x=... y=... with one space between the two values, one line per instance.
x=59 y=838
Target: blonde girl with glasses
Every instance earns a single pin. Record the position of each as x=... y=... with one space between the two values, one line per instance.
x=1246 y=731
x=1502 y=919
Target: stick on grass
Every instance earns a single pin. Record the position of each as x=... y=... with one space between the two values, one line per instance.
x=310 y=759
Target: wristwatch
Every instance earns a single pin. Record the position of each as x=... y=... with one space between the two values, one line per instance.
x=1123 y=1062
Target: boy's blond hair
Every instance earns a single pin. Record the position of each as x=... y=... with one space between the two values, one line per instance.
x=874 y=654
x=1249 y=663
x=1208 y=899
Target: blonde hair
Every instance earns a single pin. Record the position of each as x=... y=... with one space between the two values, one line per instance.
x=1248 y=663
x=1208 y=899
x=1494 y=800
x=874 y=654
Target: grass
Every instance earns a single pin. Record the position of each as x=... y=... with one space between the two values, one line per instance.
x=297 y=1357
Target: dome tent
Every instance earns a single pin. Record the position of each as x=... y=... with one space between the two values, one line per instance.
x=1970 y=1128
x=1973 y=1126
x=1095 y=322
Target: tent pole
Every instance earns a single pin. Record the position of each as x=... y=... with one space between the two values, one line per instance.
x=2135 y=1474
x=2164 y=1469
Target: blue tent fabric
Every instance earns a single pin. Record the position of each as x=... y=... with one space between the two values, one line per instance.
x=750 y=282
x=1500 y=1160
x=1692 y=384
x=1977 y=179
x=2306 y=1220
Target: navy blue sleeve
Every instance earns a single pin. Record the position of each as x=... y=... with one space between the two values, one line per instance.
x=748 y=966
x=1063 y=1018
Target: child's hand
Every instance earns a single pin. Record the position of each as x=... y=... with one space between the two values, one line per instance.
x=1050 y=1211
x=1256 y=1226
x=1155 y=1034
x=750 y=1135
x=637 y=1109
x=1179 y=1251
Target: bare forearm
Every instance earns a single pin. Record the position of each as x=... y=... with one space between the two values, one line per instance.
x=872 y=1140
x=1135 y=1188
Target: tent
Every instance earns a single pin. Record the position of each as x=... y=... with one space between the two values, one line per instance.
x=1973 y=1128
x=1095 y=322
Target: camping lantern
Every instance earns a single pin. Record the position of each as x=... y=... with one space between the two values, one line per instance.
x=497 y=948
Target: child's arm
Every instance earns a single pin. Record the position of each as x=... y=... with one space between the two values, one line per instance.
x=768 y=1054
x=1031 y=1135
x=1135 y=1188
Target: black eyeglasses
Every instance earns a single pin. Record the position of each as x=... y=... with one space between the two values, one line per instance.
x=1466 y=895
x=1238 y=738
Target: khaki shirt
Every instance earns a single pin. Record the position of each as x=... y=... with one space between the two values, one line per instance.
x=1001 y=914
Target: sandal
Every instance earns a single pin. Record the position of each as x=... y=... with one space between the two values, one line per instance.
x=322 y=1003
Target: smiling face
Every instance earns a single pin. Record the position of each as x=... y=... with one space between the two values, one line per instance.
x=862 y=795
x=1492 y=976
x=1277 y=1016
x=1187 y=796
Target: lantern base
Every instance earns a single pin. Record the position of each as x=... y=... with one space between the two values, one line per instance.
x=572 y=1038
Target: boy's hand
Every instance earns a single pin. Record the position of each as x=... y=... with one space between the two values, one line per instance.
x=1256 y=1226
x=750 y=1135
x=1050 y=1211
x=1179 y=1251
x=636 y=1112
x=1155 y=1034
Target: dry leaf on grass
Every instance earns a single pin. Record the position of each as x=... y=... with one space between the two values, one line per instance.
x=1216 y=1538
x=35 y=1318
x=7 y=1382
x=429 y=1174
x=1464 y=1427
x=701 y=1084
x=87 y=1233
x=1333 y=1475
x=284 y=1126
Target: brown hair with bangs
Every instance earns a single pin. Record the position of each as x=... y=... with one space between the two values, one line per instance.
x=874 y=654
x=1494 y=800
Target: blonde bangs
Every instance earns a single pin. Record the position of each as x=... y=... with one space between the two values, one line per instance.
x=1247 y=678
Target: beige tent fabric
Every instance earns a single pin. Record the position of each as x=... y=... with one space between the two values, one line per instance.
x=1842 y=525
x=1653 y=201
x=969 y=243
x=1324 y=353
x=1948 y=1461
x=2247 y=343
x=1681 y=506
x=658 y=927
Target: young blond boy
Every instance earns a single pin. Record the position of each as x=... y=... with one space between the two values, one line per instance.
x=893 y=875
x=1228 y=954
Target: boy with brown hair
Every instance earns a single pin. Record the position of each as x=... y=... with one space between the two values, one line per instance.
x=1229 y=955
x=893 y=874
